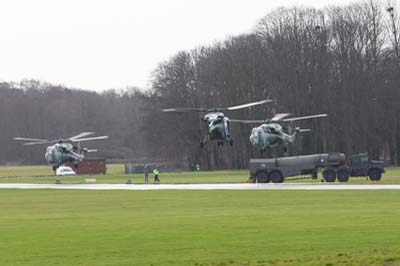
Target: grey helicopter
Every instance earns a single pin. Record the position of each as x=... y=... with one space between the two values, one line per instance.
x=271 y=133
x=63 y=151
x=218 y=125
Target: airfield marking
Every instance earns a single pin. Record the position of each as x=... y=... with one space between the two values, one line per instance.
x=284 y=186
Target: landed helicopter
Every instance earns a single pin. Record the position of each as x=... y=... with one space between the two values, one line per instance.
x=271 y=132
x=62 y=151
x=218 y=125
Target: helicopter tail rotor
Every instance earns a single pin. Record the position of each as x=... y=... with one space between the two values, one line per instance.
x=292 y=135
x=298 y=130
x=83 y=151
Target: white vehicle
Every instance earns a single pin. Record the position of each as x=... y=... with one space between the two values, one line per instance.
x=64 y=170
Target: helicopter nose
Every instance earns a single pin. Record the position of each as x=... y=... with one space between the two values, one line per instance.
x=48 y=155
x=254 y=137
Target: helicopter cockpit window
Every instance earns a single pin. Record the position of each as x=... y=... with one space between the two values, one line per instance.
x=269 y=129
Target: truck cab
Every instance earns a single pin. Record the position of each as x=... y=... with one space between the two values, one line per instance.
x=362 y=165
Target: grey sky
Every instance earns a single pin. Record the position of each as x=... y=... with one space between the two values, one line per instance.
x=97 y=45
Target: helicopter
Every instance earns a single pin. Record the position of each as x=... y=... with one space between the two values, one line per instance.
x=218 y=124
x=271 y=132
x=62 y=151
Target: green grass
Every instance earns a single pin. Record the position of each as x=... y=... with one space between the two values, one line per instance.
x=115 y=174
x=209 y=228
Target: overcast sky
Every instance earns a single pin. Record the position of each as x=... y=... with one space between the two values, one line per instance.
x=97 y=45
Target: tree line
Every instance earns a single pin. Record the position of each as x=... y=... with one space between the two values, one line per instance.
x=340 y=60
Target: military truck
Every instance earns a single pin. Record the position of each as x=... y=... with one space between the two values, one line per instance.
x=333 y=165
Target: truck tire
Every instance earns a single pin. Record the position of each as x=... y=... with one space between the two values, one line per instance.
x=343 y=175
x=262 y=177
x=375 y=174
x=276 y=177
x=329 y=175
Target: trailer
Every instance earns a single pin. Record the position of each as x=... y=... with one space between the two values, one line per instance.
x=333 y=165
x=89 y=167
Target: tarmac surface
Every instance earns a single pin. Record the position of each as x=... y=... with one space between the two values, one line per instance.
x=237 y=186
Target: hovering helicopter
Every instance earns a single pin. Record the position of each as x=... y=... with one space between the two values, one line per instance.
x=63 y=151
x=271 y=133
x=217 y=123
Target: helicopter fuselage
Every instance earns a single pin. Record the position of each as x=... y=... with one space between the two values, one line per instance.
x=270 y=135
x=61 y=153
x=218 y=127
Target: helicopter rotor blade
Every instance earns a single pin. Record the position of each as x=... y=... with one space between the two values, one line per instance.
x=184 y=109
x=304 y=117
x=88 y=139
x=279 y=117
x=302 y=130
x=246 y=121
x=92 y=150
x=36 y=143
x=246 y=105
x=31 y=139
x=81 y=135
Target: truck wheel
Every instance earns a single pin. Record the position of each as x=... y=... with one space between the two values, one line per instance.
x=343 y=176
x=329 y=176
x=276 y=177
x=262 y=177
x=375 y=175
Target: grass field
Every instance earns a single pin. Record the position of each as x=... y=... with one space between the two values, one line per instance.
x=209 y=228
x=115 y=174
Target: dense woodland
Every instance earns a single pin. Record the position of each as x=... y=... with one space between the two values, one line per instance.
x=343 y=61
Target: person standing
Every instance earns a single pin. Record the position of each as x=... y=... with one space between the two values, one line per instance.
x=146 y=174
x=156 y=172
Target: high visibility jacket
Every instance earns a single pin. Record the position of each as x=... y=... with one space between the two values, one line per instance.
x=155 y=171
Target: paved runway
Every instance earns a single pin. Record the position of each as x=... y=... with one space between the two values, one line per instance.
x=245 y=186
